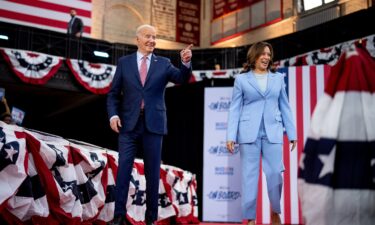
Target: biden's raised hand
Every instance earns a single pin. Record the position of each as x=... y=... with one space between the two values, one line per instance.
x=186 y=54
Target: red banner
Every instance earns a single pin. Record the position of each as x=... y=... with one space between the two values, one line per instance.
x=188 y=21
x=223 y=7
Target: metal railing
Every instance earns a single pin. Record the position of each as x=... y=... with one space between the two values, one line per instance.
x=60 y=44
x=315 y=37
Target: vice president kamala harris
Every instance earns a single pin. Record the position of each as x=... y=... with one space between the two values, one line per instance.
x=258 y=114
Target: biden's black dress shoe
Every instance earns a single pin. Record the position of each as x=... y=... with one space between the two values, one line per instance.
x=149 y=222
x=119 y=220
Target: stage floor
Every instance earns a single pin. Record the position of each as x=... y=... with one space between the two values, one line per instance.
x=206 y=223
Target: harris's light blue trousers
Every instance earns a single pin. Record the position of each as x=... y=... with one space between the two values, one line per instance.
x=272 y=164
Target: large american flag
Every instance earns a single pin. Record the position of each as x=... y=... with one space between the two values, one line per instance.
x=305 y=84
x=337 y=169
x=46 y=14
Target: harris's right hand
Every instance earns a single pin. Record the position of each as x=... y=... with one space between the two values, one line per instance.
x=115 y=124
x=230 y=146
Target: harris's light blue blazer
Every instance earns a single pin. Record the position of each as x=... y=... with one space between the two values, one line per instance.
x=249 y=105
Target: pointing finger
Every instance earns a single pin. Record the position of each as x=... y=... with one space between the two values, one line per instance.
x=189 y=47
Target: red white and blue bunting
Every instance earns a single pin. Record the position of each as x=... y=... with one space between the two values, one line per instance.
x=46 y=179
x=329 y=55
x=215 y=74
x=326 y=56
x=96 y=78
x=337 y=167
x=38 y=68
x=32 y=67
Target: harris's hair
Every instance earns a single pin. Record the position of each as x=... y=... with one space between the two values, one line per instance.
x=254 y=52
x=138 y=30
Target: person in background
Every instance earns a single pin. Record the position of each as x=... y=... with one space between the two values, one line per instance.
x=75 y=25
x=5 y=115
x=258 y=114
x=136 y=109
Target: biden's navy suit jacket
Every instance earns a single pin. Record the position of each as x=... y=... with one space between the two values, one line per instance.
x=126 y=93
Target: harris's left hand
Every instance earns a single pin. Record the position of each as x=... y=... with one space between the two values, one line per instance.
x=186 y=54
x=293 y=143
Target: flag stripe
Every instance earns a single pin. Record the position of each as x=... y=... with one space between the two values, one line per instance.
x=51 y=6
x=321 y=71
x=306 y=91
x=300 y=105
x=286 y=196
x=293 y=155
x=327 y=70
x=259 y=211
x=300 y=125
x=282 y=200
x=265 y=203
x=295 y=216
x=73 y=3
x=313 y=89
x=38 y=20
x=35 y=25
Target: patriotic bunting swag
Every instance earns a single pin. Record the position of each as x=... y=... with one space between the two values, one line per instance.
x=38 y=68
x=215 y=74
x=96 y=78
x=183 y=194
x=330 y=55
x=32 y=67
x=337 y=168
x=13 y=161
x=48 y=179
